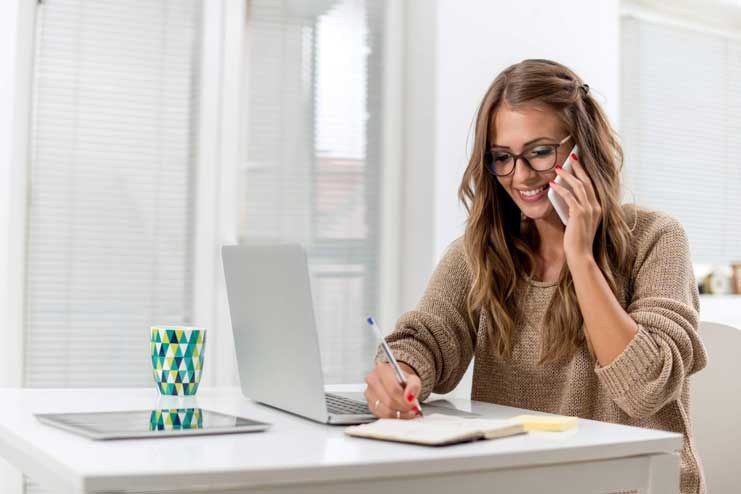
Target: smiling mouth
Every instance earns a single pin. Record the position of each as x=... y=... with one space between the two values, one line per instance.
x=533 y=194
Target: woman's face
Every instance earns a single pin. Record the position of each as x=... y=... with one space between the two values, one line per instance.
x=521 y=129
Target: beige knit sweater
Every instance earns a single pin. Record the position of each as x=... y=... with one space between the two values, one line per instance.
x=645 y=386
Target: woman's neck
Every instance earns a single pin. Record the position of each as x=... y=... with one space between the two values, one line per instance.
x=550 y=245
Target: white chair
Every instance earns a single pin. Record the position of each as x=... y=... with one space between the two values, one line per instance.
x=715 y=405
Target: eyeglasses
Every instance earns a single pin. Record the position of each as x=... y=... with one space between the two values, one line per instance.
x=541 y=158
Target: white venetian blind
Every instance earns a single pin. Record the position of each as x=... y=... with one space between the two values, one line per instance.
x=111 y=187
x=681 y=128
x=311 y=157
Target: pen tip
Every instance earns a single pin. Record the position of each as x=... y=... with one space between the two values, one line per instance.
x=370 y=320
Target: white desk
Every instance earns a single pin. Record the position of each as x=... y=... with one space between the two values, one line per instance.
x=297 y=455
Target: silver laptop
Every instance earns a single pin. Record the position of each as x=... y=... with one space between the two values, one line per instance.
x=275 y=334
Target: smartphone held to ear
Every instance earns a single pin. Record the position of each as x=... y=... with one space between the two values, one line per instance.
x=562 y=209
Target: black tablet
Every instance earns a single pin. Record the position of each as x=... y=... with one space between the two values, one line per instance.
x=150 y=423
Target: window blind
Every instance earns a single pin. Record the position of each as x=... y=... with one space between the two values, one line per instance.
x=681 y=130
x=311 y=158
x=111 y=178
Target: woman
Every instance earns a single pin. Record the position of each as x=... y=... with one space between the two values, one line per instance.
x=595 y=319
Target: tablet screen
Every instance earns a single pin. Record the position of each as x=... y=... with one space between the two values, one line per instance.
x=151 y=423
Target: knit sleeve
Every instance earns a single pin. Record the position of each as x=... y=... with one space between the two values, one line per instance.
x=652 y=370
x=436 y=339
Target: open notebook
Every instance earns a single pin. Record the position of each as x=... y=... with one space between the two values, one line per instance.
x=437 y=429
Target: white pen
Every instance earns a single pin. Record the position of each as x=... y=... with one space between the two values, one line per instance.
x=390 y=357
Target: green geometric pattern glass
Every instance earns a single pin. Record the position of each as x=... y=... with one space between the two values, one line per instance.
x=175 y=418
x=177 y=359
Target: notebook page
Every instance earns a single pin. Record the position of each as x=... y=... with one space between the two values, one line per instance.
x=435 y=429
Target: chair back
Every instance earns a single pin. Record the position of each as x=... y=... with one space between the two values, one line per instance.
x=715 y=407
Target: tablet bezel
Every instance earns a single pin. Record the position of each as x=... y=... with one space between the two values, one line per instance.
x=55 y=420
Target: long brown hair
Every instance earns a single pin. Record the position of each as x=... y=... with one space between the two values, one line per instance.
x=500 y=245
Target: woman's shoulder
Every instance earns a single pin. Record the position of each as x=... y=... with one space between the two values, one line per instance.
x=652 y=230
x=455 y=258
x=455 y=252
x=648 y=225
x=456 y=247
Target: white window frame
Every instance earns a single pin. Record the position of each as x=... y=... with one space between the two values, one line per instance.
x=392 y=174
x=19 y=21
x=214 y=221
x=13 y=251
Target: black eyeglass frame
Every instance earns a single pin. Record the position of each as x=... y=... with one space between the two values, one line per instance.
x=489 y=158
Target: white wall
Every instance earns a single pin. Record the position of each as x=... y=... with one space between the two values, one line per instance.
x=418 y=151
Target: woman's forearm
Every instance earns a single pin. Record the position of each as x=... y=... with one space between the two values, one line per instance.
x=609 y=328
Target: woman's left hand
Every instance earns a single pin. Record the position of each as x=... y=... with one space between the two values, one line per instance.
x=585 y=212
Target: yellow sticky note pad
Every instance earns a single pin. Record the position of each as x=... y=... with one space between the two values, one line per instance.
x=549 y=423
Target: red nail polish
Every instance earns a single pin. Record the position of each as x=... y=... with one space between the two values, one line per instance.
x=415 y=408
x=410 y=397
x=558 y=167
x=573 y=156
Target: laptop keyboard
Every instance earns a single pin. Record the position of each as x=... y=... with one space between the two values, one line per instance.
x=339 y=405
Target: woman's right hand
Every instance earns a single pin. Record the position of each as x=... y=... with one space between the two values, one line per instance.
x=386 y=396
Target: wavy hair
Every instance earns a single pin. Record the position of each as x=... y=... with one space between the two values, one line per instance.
x=500 y=244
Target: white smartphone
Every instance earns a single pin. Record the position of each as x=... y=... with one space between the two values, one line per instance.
x=562 y=209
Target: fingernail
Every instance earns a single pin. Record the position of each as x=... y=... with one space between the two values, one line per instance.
x=415 y=408
x=573 y=156
x=410 y=397
x=552 y=182
x=558 y=167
